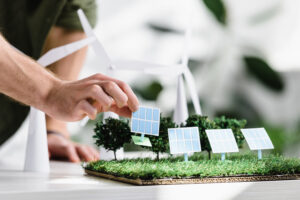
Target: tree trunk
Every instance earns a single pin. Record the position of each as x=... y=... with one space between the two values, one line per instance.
x=157 y=156
x=115 y=154
x=209 y=155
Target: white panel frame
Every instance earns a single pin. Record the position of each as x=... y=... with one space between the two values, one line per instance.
x=184 y=140
x=257 y=138
x=228 y=144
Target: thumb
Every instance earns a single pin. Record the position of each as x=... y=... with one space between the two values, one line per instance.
x=87 y=109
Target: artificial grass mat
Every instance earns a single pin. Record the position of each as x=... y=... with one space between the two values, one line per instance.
x=198 y=166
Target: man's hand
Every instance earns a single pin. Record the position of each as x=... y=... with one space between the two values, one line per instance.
x=73 y=100
x=24 y=80
x=62 y=148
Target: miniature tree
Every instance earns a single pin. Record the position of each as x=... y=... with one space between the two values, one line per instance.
x=160 y=144
x=234 y=124
x=112 y=134
x=203 y=123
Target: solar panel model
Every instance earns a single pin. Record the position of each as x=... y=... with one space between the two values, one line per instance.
x=257 y=139
x=222 y=141
x=184 y=140
x=146 y=122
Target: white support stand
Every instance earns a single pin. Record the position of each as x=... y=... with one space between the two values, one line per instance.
x=181 y=110
x=186 y=158
x=37 y=157
x=259 y=154
x=223 y=156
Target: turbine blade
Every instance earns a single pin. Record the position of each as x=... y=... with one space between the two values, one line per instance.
x=97 y=46
x=148 y=67
x=58 y=53
x=193 y=91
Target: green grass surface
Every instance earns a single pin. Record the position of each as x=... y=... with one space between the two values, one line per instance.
x=198 y=166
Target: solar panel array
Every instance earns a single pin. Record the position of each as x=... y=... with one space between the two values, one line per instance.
x=257 y=138
x=184 y=140
x=222 y=140
x=146 y=121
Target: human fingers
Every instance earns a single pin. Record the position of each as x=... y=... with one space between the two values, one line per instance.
x=132 y=101
x=94 y=153
x=104 y=101
x=84 y=153
x=124 y=111
x=85 y=108
x=71 y=153
x=113 y=90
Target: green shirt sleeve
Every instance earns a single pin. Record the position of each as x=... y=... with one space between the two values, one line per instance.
x=69 y=19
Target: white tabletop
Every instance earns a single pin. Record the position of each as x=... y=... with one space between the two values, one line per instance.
x=68 y=181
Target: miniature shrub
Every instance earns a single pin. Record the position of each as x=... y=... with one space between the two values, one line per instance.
x=160 y=144
x=234 y=124
x=112 y=134
x=203 y=123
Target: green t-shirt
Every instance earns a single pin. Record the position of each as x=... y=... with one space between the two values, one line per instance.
x=26 y=24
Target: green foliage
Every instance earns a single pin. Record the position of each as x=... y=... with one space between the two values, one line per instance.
x=112 y=134
x=150 y=92
x=203 y=123
x=236 y=164
x=234 y=124
x=218 y=9
x=261 y=70
x=160 y=144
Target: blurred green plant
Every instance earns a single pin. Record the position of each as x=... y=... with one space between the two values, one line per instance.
x=149 y=92
x=218 y=9
x=262 y=71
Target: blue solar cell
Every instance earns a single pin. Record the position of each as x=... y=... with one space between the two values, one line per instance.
x=142 y=126
x=142 y=113
x=149 y=114
x=148 y=127
x=196 y=146
x=257 y=138
x=146 y=121
x=173 y=146
x=195 y=133
x=172 y=135
x=188 y=146
x=185 y=139
x=135 y=114
x=179 y=134
x=135 y=125
x=155 y=114
x=187 y=134
x=155 y=128
x=181 y=147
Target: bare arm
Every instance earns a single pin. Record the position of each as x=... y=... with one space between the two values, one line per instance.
x=67 y=68
x=24 y=80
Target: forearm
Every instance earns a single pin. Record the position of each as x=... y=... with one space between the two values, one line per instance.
x=22 y=78
x=67 y=68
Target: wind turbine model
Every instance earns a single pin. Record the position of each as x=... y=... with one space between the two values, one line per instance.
x=182 y=70
x=37 y=158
